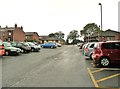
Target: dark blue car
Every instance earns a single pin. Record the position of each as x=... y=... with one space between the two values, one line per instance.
x=49 y=45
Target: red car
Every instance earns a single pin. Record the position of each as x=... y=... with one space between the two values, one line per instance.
x=2 y=50
x=106 y=53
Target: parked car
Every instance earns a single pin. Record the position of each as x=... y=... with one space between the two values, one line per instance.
x=9 y=50
x=49 y=45
x=23 y=46
x=106 y=53
x=58 y=44
x=84 y=49
x=89 y=49
x=2 y=49
x=34 y=47
x=81 y=46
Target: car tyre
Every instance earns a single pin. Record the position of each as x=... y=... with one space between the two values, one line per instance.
x=104 y=62
x=91 y=56
x=22 y=50
x=6 y=53
x=32 y=50
x=51 y=47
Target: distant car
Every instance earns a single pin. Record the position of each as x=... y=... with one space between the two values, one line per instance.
x=34 y=48
x=9 y=50
x=49 y=45
x=84 y=49
x=78 y=44
x=89 y=49
x=2 y=49
x=58 y=44
x=23 y=46
x=106 y=53
x=81 y=45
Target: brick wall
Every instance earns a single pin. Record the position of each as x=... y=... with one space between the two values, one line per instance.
x=18 y=34
x=35 y=37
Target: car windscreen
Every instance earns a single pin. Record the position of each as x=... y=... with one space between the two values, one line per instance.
x=0 y=43
x=25 y=44
x=6 y=44
x=31 y=44
x=13 y=44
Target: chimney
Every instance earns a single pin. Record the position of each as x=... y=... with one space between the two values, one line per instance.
x=21 y=27
x=6 y=26
x=15 y=25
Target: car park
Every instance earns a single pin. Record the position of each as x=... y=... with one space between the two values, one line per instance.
x=9 y=50
x=89 y=49
x=106 y=53
x=22 y=45
x=2 y=49
x=34 y=48
x=49 y=45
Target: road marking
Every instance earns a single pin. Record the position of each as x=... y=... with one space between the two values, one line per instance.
x=103 y=79
x=92 y=77
x=97 y=70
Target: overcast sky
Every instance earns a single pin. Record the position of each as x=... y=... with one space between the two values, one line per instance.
x=49 y=16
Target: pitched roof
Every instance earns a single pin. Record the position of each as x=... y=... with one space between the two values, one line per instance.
x=30 y=33
x=7 y=28
x=106 y=33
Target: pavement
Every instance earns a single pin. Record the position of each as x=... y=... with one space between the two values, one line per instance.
x=61 y=67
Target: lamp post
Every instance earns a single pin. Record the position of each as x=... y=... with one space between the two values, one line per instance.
x=101 y=13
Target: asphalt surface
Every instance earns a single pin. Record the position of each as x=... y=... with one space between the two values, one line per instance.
x=61 y=67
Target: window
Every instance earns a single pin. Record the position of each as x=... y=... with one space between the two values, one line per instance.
x=111 y=46
x=117 y=46
x=9 y=33
x=108 y=45
x=19 y=44
x=92 y=45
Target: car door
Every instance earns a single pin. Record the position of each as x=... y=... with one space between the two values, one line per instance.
x=116 y=51
x=112 y=51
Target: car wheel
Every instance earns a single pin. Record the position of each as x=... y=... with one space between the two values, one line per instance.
x=22 y=50
x=32 y=50
x=6 y=53
x=104 y=62
x=91 y=56
x=51 y=47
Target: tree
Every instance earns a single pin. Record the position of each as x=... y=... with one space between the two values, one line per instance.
x=73 y=35
x=52 y=35
x=89 y=29
x=59 y=34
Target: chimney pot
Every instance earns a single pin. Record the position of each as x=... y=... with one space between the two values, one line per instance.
x=21 y=27
x=15 y=25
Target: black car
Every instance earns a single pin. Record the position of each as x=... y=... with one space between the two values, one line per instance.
x=9 y=50
x=23 y=46
x=34 y=48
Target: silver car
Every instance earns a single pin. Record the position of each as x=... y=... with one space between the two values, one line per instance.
x=89 y=49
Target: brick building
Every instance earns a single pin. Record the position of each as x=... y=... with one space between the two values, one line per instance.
x=44 y=39
x=32 y=36
x=12 y=33
x=103 y=36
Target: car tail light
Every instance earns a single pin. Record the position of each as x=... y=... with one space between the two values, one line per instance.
x=86 y=49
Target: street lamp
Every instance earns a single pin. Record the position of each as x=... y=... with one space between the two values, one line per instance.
x=101 y=13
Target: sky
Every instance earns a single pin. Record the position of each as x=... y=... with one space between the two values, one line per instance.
x=50 y=16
